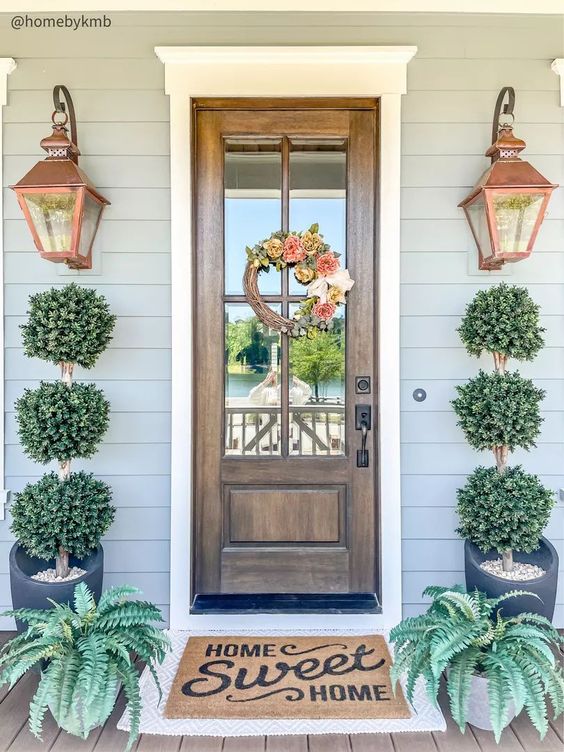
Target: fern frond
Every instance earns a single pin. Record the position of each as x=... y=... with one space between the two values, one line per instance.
x=130 y=681
x=535 y=703
x=459 y=681
x=512 y=594
x=512 y=677
x=496 y=696
x=83 y=600
x=38 y=706
x=114 y=595
x=461 y=601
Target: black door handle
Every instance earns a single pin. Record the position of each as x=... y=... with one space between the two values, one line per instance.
x=363 y=423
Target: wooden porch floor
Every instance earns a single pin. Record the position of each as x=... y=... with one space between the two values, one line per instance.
x=15 y=736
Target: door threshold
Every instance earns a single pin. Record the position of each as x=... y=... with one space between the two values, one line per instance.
x=286 y=603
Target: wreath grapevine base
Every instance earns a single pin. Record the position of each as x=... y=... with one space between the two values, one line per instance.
x=315 y=266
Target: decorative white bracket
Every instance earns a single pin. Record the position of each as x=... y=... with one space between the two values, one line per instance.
x=7 y=65
x=558 y=67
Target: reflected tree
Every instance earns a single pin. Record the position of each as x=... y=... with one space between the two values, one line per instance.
x=318 y=360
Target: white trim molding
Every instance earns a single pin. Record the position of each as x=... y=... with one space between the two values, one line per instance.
x=7 y=65
x=285 y=72
x=558 y=67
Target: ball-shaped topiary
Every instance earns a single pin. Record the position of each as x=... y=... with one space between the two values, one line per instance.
x=502 y=319
x=59 y=422
x=68 y=325
x=496 y=409
x=504 y=511
x=71 y=514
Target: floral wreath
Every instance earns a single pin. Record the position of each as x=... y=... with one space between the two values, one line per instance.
x=314 y=264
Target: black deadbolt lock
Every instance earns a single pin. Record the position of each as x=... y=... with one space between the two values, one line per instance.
x=362 y=384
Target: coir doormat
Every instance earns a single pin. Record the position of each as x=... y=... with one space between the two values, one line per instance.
x=314 y=677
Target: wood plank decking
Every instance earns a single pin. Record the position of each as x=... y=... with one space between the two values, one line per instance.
x=15 y=737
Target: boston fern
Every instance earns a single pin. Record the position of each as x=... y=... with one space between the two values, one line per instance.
x=463 y=633
x=59 y=422
x=87 y=653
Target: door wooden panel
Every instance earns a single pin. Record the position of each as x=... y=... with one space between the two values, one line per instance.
x=279 y=504
x=285 y=515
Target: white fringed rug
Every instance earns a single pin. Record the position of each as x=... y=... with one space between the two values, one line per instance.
x=424 y=716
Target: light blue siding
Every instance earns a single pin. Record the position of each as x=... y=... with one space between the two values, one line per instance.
x=118 y=87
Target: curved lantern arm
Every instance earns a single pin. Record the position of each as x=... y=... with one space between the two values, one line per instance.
x=60 y=106
x=508 y=107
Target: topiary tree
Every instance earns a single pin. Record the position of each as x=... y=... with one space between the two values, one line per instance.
x=500 y=411
x=504 y=321
x=67 y=326
x=68 y=514
x=60 y=421
x=504 y=511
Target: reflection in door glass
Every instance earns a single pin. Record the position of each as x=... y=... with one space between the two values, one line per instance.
x=253 y=171
x=252 y=384
x=317 y=392
x=318 y=181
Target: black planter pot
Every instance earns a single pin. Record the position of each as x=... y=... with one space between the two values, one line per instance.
x=29 y=593
x=544 y=587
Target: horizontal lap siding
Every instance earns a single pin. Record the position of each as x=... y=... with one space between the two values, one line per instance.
x=117 y=85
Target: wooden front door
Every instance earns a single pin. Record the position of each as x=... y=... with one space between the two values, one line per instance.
x=283 y=515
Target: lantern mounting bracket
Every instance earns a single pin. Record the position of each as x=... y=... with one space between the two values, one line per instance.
x=60 y=106
x=509 y=92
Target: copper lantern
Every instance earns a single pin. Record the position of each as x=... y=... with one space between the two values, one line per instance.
x=60 y=204
x=507 y=206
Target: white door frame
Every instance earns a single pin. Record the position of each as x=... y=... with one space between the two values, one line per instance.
x=286 y=72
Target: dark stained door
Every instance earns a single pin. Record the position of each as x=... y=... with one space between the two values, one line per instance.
x=280 y=505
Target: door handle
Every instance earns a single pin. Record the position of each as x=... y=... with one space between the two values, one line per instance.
x=363 y=423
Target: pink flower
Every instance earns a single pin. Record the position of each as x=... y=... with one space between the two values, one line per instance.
x=324 y=311
x=293 y=250
x=327 y=264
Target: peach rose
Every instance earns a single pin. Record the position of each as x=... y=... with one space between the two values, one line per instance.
x=273 y=248
x=327 y=264
x=293 y=249
x=324 y=311
x=304 y=274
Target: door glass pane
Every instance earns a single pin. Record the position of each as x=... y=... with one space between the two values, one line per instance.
x=253 y=197
x=252 y=384
x=318 y=181
x=317 y=391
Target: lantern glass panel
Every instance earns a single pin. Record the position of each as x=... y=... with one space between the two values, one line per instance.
x=90 y=215
x=478 y=219
x=52 y=216
x=515 y=216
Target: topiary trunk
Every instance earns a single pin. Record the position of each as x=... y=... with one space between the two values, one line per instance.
x=62 y=560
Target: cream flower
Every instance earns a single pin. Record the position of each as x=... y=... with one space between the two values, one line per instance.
x=304 y=274
x=318 y=288
x=273 y=248
x=312 y=242
x=335 y=295
x=341 y=280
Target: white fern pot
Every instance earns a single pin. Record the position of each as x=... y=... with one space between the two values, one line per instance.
x=479 y=705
